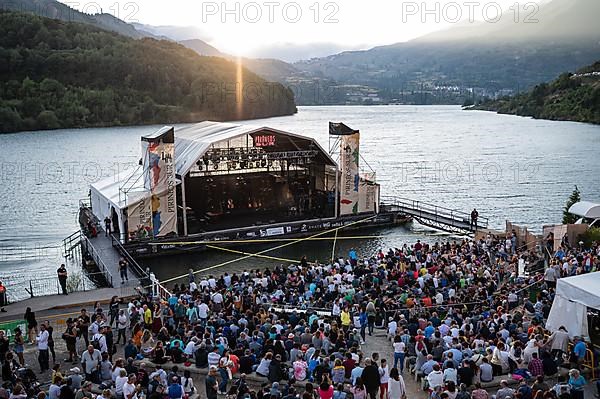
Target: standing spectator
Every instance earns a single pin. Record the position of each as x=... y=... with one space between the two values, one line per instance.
x=90 y=360
x=32 y=324
x=62 y=278
x=107 y=226
x=212 y=386
x=396 y=387
x=399 y=352
x=371 y=378
x=42 y=343
x=123 y=270
x=19 y=347
x=384 y=377
x=3 y=299
x=474 y=217
x=579 y=351
x=359 y=391
x=4 y=346
x=122 y=326
x=50 y=330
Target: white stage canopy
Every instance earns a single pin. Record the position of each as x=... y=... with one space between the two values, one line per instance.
x=573 y=296
x=586 y=209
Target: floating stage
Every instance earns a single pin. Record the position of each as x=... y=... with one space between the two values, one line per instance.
x=233 y=184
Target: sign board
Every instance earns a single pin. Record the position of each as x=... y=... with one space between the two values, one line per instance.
x=264 y=140
x=9 y=329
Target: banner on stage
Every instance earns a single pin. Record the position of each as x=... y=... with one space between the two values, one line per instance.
x=350 y=179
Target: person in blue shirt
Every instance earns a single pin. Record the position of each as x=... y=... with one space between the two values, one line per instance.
x=579 y=349
x=429 y=330
x=576 y=383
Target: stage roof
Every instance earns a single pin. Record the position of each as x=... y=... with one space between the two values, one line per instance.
x=586 y=209
x=193 y=141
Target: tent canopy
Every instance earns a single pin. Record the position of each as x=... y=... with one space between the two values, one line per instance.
x=573 y=296
x=586 y=209
x=583 y=289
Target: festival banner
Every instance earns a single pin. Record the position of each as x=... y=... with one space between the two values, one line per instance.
x=159 y=178
x=349 y=185
x=139 y=219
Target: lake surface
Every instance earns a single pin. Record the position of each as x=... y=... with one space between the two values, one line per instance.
x=508 y=167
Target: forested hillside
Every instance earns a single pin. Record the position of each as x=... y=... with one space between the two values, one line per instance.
x=57 y=74
x=571 y=97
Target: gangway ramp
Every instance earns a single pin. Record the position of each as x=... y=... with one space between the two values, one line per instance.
x=434 y=216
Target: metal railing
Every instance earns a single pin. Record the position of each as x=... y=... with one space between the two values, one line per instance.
x=21 y=289
x=159 y=290
x=87 y=245
x=134 y=266
x=426 y=210
x=70 y=243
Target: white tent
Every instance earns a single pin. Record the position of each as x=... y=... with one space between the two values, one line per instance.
x=573 y=296
x=586 y=209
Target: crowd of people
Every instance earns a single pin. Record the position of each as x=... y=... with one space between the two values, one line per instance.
x=457 y=313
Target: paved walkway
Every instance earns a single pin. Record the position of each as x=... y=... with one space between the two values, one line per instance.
x=47 y=305
x=379 y=344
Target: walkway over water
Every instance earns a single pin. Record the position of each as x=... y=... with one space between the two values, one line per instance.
x=437 y=217
x=106 y=252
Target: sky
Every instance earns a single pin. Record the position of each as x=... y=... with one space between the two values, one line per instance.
x=250 y=28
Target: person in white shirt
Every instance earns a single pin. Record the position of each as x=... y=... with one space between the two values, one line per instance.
x=122 y=322
x=384 y=377
x=90 y=360
x=129 y=391
x=436 y=377
x=120 y=381
x=392 y=327
x=396 y=387
x=101 y=340
x=42 y=344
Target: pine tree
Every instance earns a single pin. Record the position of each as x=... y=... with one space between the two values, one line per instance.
x=575 y=197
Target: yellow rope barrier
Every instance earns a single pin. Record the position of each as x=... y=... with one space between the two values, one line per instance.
x=268 y=250
x=251 y=254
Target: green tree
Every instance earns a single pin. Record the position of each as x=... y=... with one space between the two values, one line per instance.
x=575 y=197
x=47 y=120
x=10 y=120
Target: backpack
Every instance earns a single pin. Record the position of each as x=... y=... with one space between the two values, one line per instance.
x=96 y=343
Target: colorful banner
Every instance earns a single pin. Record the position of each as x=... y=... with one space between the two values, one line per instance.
x=9 y=329
x=139 y=219
x=349 y=184
x=158 y=153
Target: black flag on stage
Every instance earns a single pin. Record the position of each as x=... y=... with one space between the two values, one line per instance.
x=339 y=129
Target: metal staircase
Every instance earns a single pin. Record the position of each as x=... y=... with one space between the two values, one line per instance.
x=437 y=217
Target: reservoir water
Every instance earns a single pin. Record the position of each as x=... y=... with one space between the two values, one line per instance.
x=508 y=167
